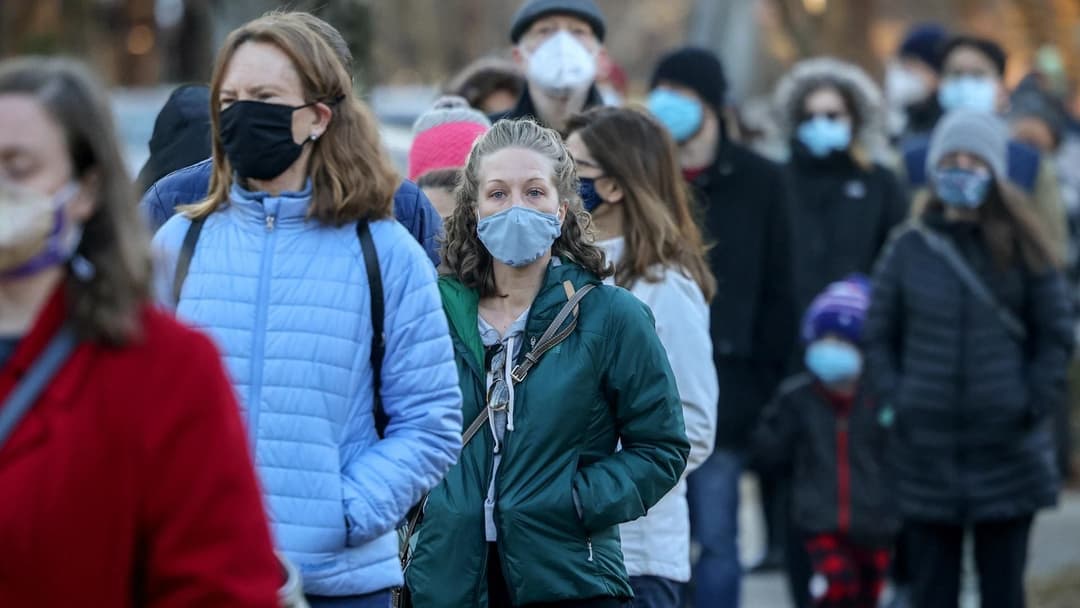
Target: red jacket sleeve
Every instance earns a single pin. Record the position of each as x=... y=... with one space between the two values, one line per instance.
x=202 y=529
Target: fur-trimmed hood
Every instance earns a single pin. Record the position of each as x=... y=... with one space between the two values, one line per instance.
x=810 y=74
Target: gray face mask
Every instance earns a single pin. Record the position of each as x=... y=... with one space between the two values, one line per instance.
x=518 y=236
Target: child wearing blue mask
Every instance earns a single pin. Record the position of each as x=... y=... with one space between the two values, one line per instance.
x=823 y=425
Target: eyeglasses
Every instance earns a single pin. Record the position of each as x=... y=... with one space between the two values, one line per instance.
x=831 y=115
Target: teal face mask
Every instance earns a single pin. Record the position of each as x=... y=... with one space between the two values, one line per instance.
x=823 y=136
x=969 y=93
x=518 y=236
x=833 y=362
x=681 y=115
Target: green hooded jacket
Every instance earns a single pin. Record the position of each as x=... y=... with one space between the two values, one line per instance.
x=608 y=381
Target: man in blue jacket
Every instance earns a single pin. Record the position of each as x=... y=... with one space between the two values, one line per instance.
x=412 y=208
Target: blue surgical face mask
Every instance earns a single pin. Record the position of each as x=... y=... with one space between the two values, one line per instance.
x=822 y=136
x=966 y=188
x=834 y=362
x=681 y=115
x=969 y=93
x=589 y=197
x=518 y=236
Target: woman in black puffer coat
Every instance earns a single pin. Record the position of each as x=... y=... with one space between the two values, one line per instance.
x=970 y=384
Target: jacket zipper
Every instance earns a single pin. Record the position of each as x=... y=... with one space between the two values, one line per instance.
x=588 y=545
x=843 y=475
x=259 y=338
x=959 y=418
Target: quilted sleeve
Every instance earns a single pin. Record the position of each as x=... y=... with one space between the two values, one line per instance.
x=645 y=400
x=416 y=213
x=166 y=250
x=420 y=395
x=154 y=210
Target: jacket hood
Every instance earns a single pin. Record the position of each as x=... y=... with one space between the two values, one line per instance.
x=181 y=134
x=812 y=73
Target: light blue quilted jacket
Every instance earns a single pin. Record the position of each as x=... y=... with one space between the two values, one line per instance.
x=287 y=301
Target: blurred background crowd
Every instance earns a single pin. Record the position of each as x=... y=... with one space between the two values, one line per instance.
x=844 y=95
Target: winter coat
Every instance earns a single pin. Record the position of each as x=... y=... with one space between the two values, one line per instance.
x=190 y=185
x=921 y=117
x=525 y=107
x=659 y=544
x=562 y=487
x=181 y=135
x=288 y=302
x=751 y=319
x=128 y=483
x=835 y=452
x=841 y=217
x=971 y=439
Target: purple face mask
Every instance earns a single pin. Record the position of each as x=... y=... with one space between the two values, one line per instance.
x=37 y=236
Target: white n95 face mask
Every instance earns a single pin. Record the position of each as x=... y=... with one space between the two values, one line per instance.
x=561 y=65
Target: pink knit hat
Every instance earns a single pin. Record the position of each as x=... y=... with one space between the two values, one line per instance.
x=443 y=136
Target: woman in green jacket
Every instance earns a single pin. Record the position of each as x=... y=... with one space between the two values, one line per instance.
x=590 y=438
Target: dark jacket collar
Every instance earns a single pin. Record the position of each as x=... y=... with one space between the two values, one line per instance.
x=461 y=305
x=526 y=108
x=836 y=162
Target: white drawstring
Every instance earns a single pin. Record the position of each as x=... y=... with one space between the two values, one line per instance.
x=508 y=378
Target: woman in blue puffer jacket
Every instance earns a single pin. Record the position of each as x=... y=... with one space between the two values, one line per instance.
x=279 y=280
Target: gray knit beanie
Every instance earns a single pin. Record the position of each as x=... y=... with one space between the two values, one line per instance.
x=978 y=133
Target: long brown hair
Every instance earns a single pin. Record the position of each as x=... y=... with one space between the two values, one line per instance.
x=466 y=258
x=352 y=176
x=635 y=151
x=105 y=306
x=1009 y=228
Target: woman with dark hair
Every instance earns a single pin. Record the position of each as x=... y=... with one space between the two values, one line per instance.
x=557 y=371
x=327 y=310
x=843 y=204
x=489 y=84
x=126 y=478
x=968 y=337
x=632 y=185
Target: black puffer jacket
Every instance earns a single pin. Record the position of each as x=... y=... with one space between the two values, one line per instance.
x=971 y=439
x=834 y=450
x=841 y=216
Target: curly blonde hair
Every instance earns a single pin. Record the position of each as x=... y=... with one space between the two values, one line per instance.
x=465 y=257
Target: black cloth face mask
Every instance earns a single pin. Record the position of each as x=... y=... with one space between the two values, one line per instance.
x=258 y=138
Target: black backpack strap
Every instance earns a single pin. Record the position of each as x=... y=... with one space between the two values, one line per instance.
x=378 y=337
x=187 y=251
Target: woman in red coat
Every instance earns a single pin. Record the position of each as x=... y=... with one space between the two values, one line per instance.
x=127 y=481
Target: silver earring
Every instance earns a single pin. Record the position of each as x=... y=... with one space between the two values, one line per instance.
x=314 y=137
